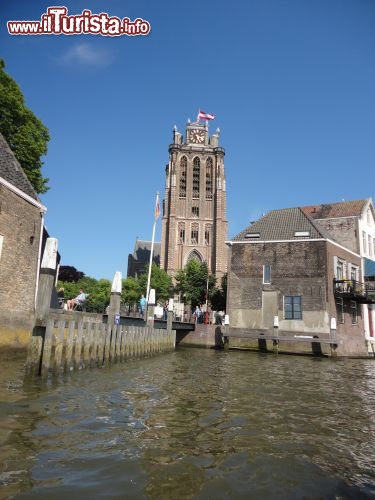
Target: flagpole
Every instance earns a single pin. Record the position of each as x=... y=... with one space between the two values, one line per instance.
x=156 y=216
x=206 y=318
x=150 y=265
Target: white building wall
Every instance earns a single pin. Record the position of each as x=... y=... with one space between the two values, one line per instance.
x=366 y=237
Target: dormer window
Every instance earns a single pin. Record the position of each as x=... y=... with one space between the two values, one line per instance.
x=252 y=236
x=301 y=234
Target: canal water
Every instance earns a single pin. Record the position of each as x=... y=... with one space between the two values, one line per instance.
x=192 y=424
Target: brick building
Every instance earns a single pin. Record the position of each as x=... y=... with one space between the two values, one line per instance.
x=283 y=266
x=194 y=223
x=21 y=239
x=352 y=223
x=139 y=260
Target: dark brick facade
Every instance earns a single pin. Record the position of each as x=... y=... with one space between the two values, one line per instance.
x=20 y=227
x=21 y=217
x=298 y=268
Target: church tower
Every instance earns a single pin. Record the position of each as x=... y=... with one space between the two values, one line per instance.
x=194 y=224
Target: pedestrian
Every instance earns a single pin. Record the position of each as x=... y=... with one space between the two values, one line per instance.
x=77 y=301
x=142 y=305
x=165 y=310
x=198 y=315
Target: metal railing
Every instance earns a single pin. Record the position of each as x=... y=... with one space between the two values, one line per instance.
x=355 y=290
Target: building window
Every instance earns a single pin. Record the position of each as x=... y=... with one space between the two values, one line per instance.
x=183 y=169
x=267 y=274
x=207 y=235
x=369 y=246
x=340 y=309
x=354 y=273
x=195 y=211
x=340 y=270
x=293 y=307
x=353 y=312
x=364 y=243
x=194 y=234
x=196 y=176
x=181 y=232
x=209 y=170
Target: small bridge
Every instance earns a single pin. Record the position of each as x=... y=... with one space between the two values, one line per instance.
x=181 y=328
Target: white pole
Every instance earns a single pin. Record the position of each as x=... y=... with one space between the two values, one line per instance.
x=156 y=216
x=206 y=313
x=150 y=265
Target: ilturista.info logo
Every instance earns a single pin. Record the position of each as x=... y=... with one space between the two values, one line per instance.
x=57 y=22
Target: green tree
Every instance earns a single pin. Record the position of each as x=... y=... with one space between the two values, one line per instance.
x=191 y=283
x=70 y=273
x=131 y=292
x=218 y=296
x=160 y=281
x=99 y=291
x=24 y=132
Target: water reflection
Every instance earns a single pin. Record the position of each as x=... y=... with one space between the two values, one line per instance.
x=192 y=424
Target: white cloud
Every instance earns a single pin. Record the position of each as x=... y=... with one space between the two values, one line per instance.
x=86 y=53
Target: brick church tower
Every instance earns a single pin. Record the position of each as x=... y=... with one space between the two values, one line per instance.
x=194 y=224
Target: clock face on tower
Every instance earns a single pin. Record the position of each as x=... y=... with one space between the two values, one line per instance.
x=197 y=136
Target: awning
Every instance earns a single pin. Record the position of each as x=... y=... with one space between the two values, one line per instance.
x=369 y=267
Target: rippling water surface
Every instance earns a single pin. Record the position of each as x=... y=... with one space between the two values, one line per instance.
x=192 y=424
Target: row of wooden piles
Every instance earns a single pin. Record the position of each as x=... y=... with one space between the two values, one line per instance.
x=76 y=344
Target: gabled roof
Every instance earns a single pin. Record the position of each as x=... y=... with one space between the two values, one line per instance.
x=12 y=172
x=335 y=210
x=142 y=250
x=284 y=224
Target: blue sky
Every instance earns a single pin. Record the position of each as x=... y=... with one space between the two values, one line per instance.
x=291 y=82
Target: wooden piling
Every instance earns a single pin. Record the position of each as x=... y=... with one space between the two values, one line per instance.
x=79 y=342
x=78 y=346
x=59 y=347
x=47 y=348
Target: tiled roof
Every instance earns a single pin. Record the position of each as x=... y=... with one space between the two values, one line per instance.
x=11 y=170
x=333 y=210
x=142 y=250
x=285 y=224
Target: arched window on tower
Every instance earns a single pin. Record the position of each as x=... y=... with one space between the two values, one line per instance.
x=183 y=169
x=196 y=176
x=207 y=234
x=209 y=170
x=194 y=234
x=181 y=232
x=194 y=255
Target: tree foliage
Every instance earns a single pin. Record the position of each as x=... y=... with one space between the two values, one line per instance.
x=100 y=290
x=218 y=296
x=131 y=291
x=99 y=293
x=70 y=273
x=191 y=283
x=24 y=132
x=160 y=281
